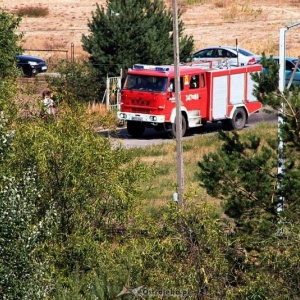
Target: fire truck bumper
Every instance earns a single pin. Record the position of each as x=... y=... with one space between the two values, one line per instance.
x=141 y=117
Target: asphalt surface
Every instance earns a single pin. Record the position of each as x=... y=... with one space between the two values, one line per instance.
x=153 y=137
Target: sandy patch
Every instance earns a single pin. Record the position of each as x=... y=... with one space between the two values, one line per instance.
x=254 y=24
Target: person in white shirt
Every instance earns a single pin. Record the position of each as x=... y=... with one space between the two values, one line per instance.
x=48 y=102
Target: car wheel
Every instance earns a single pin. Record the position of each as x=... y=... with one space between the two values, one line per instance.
x=172 y=132
x=27 y=71
x=239 y=119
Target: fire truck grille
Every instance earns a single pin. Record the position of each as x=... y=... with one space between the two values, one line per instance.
x=140 y=102
x=139 y=110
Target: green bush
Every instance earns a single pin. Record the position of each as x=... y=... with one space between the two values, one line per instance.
x=21 y=271
x=77 y=83
x=89 y=187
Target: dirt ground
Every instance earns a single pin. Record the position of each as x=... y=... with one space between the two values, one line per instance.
x=253 y=24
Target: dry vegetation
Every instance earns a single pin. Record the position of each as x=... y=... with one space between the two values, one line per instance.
x=53 y=29
x=254 y=24
x=33 y=11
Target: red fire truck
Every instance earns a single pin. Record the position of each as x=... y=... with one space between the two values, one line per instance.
x=209 y=92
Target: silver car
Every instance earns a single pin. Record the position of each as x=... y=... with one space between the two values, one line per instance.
x=236 y=56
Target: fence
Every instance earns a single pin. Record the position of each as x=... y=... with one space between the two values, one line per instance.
x=56 y=50
x=111 y=97
x=53 y=60
x=112 y=93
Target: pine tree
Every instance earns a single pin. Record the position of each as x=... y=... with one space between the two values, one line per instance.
x=248 y=170
x=243 y=173
x=133 y=31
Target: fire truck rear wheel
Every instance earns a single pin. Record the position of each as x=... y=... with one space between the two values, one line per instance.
x=173 y=128
x=239 y=119
x=135 y=129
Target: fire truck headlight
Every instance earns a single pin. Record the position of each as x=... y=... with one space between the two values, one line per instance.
x=123 y=116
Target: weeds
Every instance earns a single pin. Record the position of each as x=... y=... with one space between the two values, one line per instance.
x=162 y=160
x=190 y=2
x=33 y=11
x=241 y=11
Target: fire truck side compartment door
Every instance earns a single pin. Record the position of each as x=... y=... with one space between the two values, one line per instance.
x=219 y=97
x=237 y=88
x=250 y=89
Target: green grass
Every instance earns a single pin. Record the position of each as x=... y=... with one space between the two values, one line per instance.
x=162 y=160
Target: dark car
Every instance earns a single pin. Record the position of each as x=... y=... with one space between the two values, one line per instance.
x=31 y=65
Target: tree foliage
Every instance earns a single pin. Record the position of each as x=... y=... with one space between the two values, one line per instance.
x=244 y=174
x=9 y=41
x=89 y=187
x=171 y=251
x=77 y=83
x=133 y=31
x=21 y=271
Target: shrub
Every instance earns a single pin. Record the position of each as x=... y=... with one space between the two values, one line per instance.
x=78 y=82
x=33 y=11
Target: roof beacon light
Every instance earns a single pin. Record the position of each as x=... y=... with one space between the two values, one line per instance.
x=162 y=69
x=138 y=67
x=151 y=67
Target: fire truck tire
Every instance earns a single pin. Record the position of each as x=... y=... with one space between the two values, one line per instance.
x=135 y=129
x=173 y=128
x=239 y=119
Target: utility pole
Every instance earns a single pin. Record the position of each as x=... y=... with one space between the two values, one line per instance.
x=180 y=177
x=281 y=86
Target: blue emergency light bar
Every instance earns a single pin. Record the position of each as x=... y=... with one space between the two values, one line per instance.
x=151 y=67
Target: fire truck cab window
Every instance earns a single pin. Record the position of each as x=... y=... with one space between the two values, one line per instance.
x=160 y=84
x=194 y=82
x=145 y=83
x=141 y=83
x=172 y=85
x=202 y=81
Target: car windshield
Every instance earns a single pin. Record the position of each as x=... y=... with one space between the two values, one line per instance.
x=294 y=61
x=243 y=51
x=148 y=83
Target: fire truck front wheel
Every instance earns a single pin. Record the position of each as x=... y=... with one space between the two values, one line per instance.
x=135 y=129
x=172 y=133
x=239 y=119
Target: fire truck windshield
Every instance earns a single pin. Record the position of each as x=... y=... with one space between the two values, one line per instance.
x=146 y=83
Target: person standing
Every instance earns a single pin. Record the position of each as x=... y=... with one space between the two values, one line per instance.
x=48 y=102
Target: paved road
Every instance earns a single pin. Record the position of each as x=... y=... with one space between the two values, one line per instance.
x=153 y=137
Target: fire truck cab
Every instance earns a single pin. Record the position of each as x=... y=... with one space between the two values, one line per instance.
x=209 y=92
